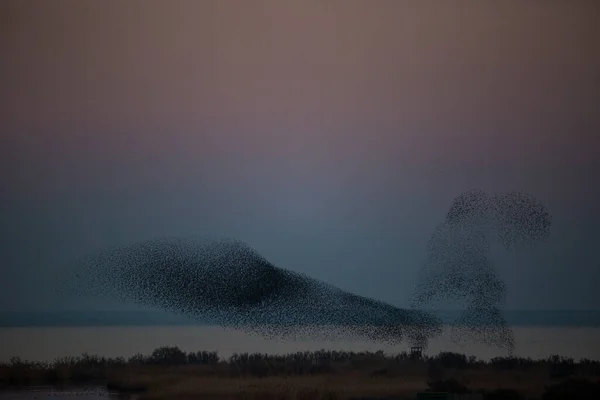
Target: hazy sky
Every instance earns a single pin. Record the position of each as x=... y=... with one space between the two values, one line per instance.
x=329 y=135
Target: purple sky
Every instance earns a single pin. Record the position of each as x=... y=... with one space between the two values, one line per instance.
x=329 y=135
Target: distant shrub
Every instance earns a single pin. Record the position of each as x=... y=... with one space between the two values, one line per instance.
x=451 y=360
x=168 y=356
x=435 y=372
x=203 y=357
x=508 y=363
x=138 y=359
x=561 y=367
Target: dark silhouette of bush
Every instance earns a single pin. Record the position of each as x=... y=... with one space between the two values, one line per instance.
x=473 y=361
x=587 y=367
x=574 y=388
x=451 y=360
x=561 y=367
x=168 y=356
x=138 y=359
x=435 y=372
x=509 y=363
x=203 y=358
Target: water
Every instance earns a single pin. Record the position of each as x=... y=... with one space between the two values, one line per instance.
x=47 y=393
x=49 y=343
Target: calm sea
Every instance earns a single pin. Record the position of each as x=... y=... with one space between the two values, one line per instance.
x=45 y=337
x=47 y=393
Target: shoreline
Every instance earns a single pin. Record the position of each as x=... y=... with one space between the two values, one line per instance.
x=45 y=344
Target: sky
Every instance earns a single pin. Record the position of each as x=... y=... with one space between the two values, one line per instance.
x=329 y=135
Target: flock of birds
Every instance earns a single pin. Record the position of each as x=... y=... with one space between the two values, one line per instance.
x=228 y=283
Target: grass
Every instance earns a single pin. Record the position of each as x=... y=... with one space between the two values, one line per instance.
x=169 y=373
x=300 y=387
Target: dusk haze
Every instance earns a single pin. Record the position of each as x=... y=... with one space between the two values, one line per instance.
x=331 y=136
